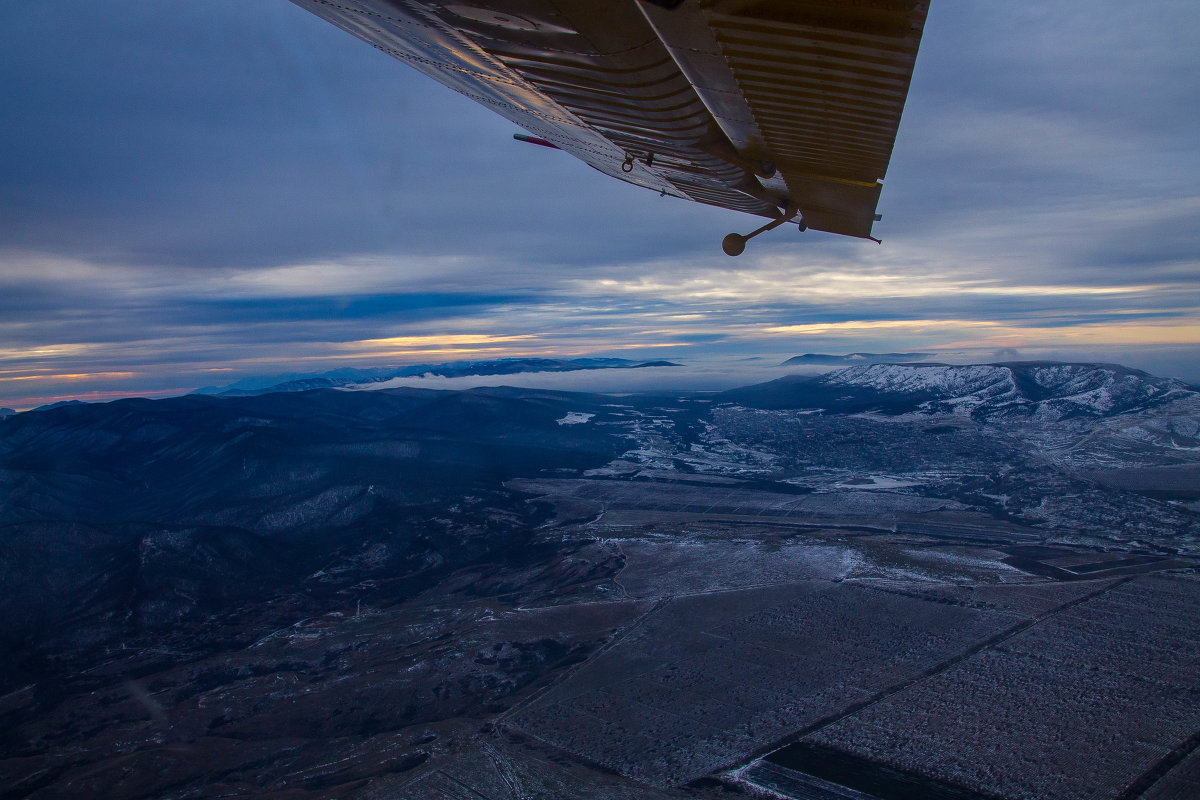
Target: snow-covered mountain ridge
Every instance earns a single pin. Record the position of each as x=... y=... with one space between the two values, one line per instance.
x=1039 y=389
x=1043 y=388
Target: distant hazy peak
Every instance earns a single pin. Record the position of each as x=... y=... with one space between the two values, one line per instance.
x=60 y=404
x=855 y=358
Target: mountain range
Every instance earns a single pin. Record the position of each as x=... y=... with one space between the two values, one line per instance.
x=455 y=369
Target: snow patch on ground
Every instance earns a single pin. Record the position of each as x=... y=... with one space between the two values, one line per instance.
x=878 y=482
x=575 y=418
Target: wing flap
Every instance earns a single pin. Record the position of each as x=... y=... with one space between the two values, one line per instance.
x=826 y=82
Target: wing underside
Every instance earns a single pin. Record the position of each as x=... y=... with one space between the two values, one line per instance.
x=751 y=105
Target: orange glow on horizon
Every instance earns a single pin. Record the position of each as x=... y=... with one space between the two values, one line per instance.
x=69 y=376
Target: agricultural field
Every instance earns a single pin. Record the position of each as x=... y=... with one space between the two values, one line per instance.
x=1057 y=709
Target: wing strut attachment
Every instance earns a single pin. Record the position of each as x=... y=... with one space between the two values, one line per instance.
x=735 y=243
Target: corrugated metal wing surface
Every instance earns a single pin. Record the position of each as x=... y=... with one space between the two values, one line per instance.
x=695 y=100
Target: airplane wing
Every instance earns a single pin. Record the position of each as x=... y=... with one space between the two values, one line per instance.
x=787 y=109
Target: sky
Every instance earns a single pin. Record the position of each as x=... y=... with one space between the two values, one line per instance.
x=193 y=193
